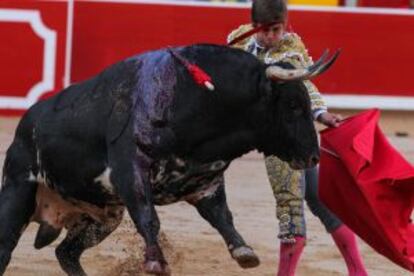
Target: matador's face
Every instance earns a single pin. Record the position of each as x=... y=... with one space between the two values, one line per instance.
x=270 y=37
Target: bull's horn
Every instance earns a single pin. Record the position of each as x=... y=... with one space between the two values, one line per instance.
x=328 y=64
x=278 y=73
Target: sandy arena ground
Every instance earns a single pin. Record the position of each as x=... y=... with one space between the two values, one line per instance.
x=192 y=246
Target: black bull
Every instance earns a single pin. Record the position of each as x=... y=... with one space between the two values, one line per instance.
x=142 y=133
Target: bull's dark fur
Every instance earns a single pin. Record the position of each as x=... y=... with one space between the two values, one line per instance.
x=147 y=120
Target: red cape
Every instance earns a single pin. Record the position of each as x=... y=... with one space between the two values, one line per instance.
x=369 y=186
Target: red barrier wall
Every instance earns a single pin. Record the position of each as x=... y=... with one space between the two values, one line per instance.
x=384 y=3
x=373 y=70
x=117 y=30
x=32 y=51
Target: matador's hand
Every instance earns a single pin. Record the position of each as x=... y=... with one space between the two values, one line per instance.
x=330 y=119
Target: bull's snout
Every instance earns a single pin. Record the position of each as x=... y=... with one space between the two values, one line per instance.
x=313 y=161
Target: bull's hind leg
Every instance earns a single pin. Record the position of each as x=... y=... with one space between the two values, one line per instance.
x=215 y=210
x=84 y=233
x=17 y=205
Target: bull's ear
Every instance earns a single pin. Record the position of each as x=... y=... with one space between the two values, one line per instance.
x=264 y=84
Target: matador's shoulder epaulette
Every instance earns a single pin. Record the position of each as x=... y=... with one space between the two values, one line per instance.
x=237 y=32
x=291 y=49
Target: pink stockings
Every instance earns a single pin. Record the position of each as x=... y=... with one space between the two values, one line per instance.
x=289 y=256
x=345 y=241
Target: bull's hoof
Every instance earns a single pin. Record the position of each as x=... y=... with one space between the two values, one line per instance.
x=155 y=268
x=245 y=257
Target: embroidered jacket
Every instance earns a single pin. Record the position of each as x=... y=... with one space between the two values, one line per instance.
x=287 y=184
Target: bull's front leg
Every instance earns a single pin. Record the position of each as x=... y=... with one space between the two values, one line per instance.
x=130 y=176
x=215 y=210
